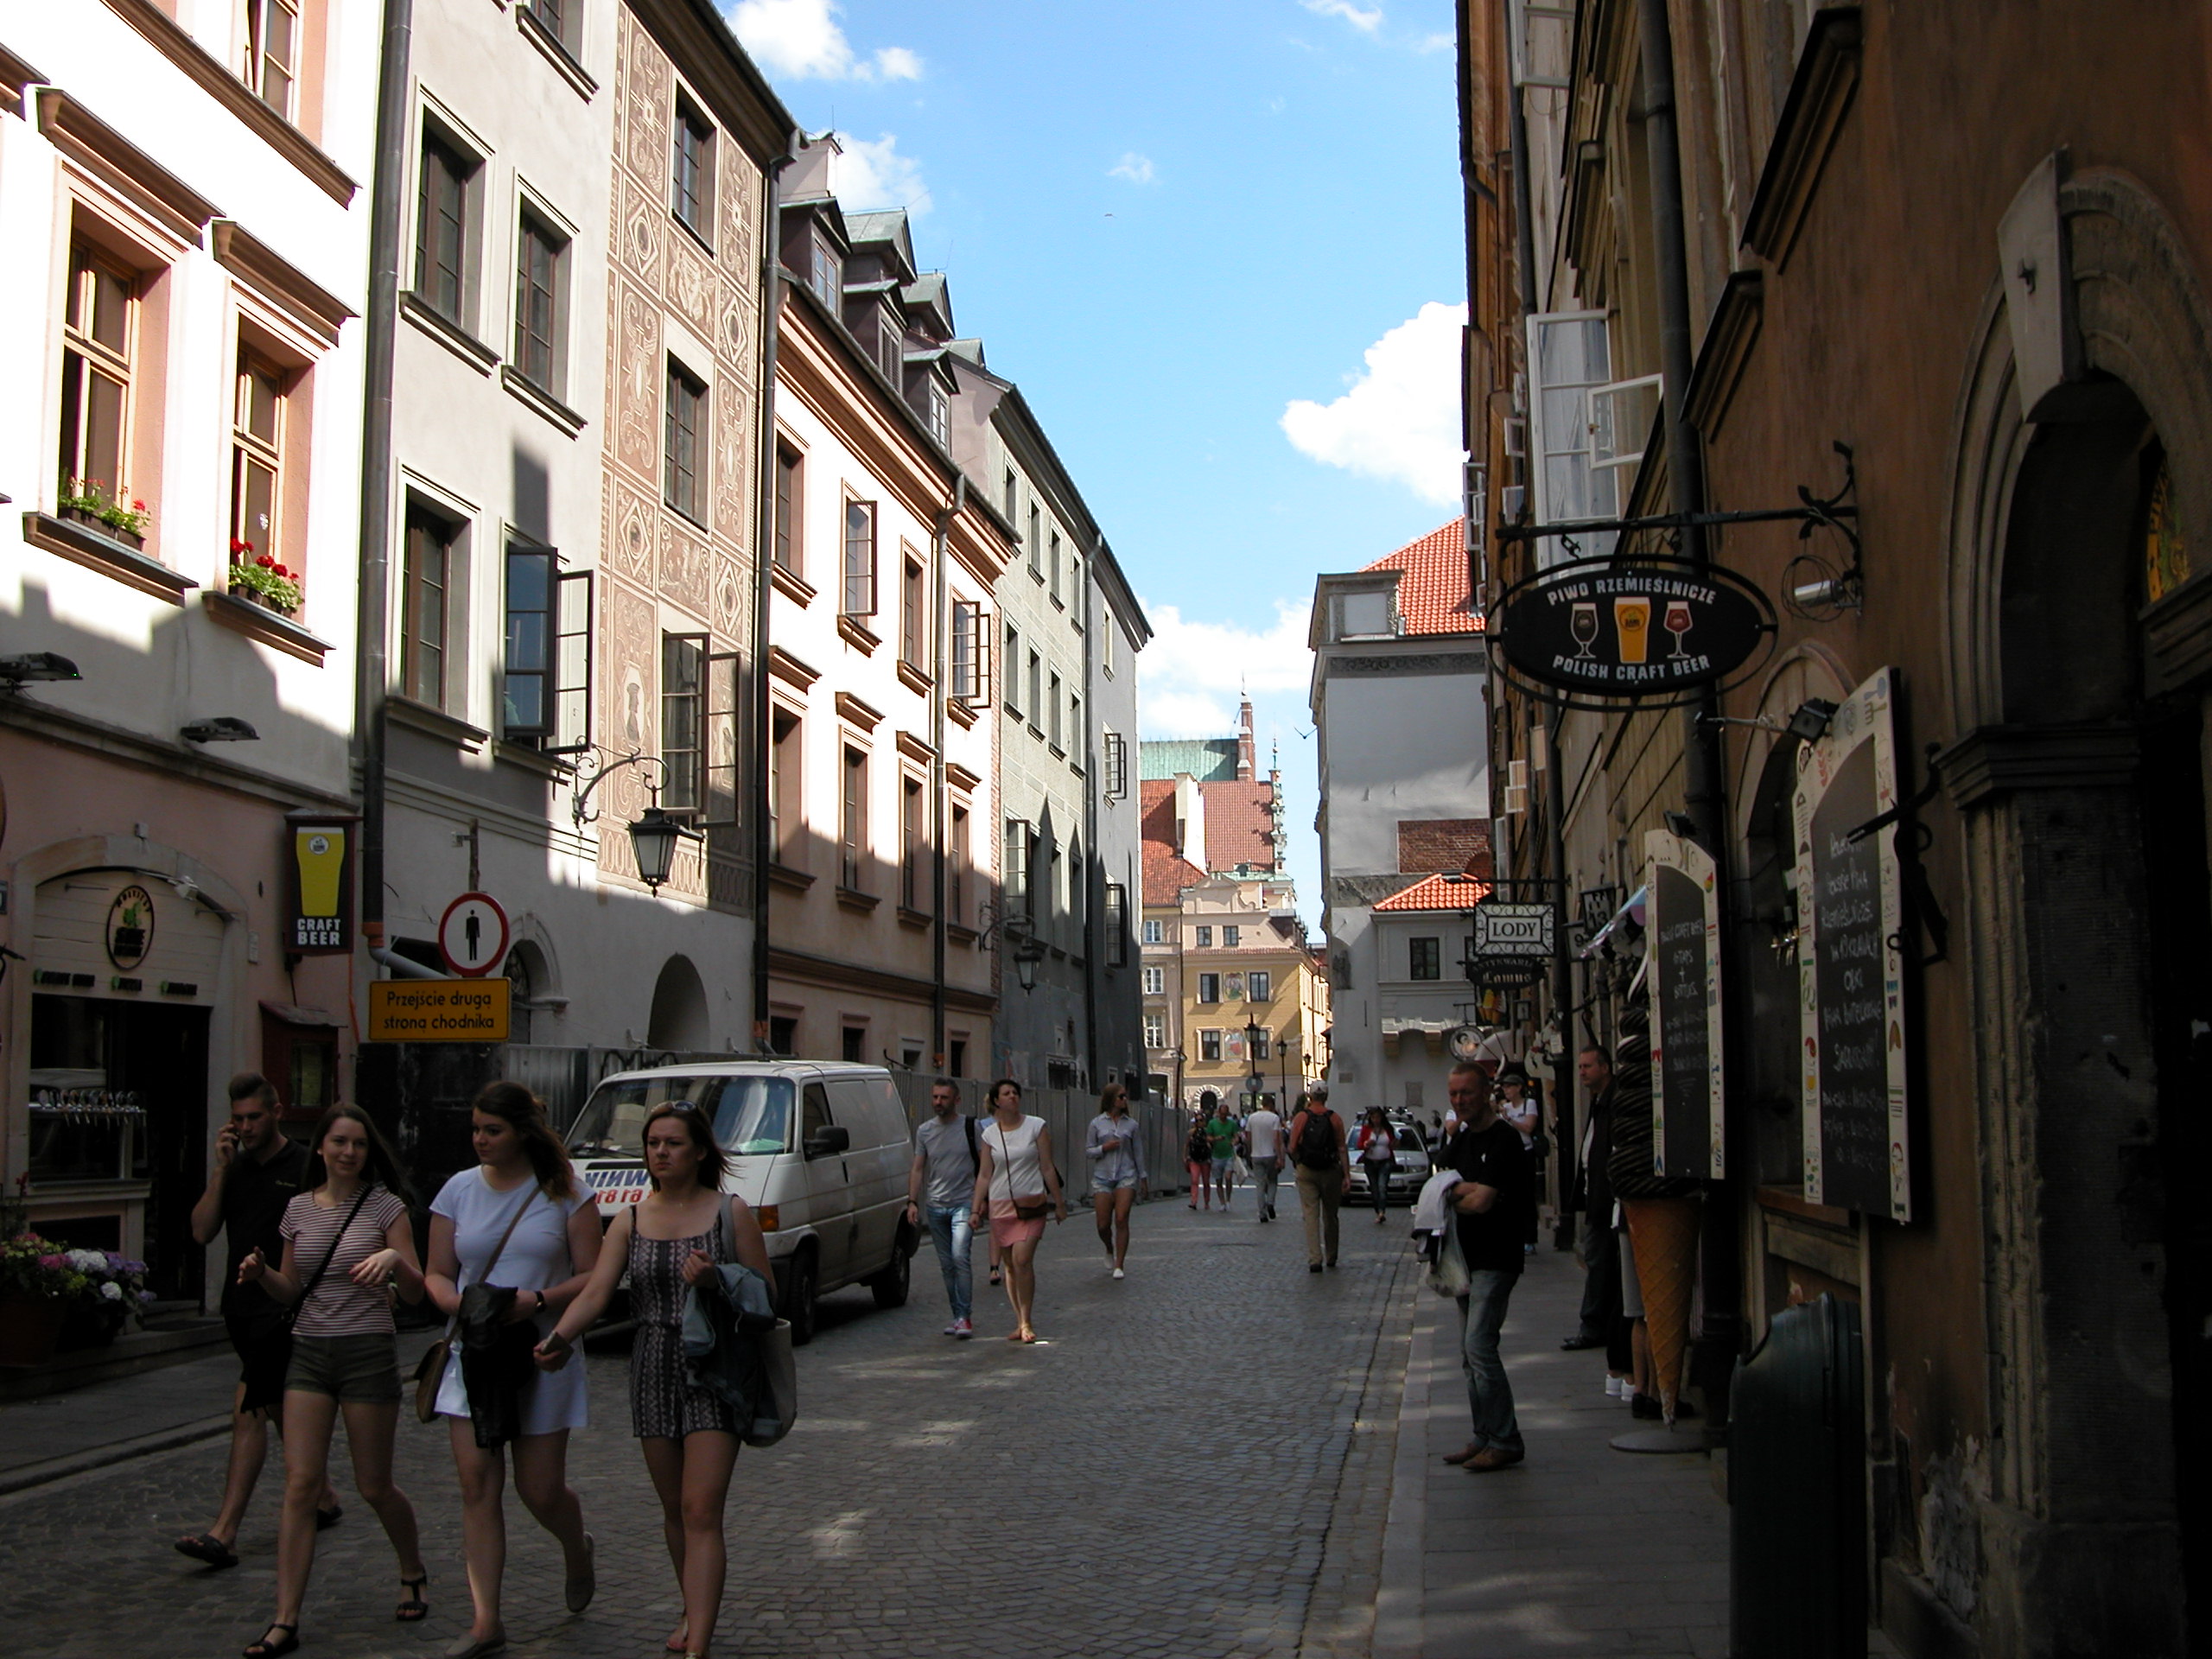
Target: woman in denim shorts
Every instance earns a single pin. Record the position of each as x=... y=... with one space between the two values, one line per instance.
x=347 y=1244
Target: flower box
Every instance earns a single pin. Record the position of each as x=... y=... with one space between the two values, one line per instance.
x=100 y=526
x=268 y=602
x=29 y=1327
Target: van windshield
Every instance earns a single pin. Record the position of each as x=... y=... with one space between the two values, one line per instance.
x=750 y=1114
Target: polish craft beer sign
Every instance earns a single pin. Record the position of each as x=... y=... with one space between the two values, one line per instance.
x=1631 y=627
x=1850 y=965
x=1682 y=945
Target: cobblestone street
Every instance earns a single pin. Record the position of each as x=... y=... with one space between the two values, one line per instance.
x=1197 y=1462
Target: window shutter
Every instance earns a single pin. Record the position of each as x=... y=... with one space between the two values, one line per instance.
x=724 y=804
x=1569 y=357
x=572 y=664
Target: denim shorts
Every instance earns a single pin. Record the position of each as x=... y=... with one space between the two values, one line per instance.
x=353 y=1371
x=1102 y=1184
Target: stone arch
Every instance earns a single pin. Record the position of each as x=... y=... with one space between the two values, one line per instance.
x=679 y=1019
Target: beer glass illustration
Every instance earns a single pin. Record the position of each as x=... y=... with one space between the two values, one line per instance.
x=1632 y=622
x=1583 y=624
x=321 y=854
x=1677 y=621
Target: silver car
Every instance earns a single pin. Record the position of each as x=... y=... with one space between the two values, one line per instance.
x=1409 y=1169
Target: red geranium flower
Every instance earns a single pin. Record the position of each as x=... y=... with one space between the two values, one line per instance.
x=266 y=562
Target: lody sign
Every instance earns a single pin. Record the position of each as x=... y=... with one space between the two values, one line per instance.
x=1850 y=969
x=1507 y=930
x=1630 y=627
x=1682 y=952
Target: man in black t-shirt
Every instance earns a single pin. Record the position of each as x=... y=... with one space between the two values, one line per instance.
x=258 y=1171
x=1493 y=1206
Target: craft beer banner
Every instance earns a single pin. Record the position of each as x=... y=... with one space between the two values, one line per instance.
x=1682 y=946
x=321 y=858
x=1630 y=627
x=1850 y=971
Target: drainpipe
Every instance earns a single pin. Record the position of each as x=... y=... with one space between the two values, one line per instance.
x=372 y=613
x=764 y=543
x=940 y=673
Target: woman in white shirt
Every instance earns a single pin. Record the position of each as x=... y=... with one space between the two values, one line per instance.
x=1016 y=1185
x=1116 y=1149
x=524 y=1191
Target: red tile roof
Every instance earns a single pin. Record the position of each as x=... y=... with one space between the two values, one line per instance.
x=1240 y=827
x=1433 y=593
x=1439 y=892
x=1165 y=875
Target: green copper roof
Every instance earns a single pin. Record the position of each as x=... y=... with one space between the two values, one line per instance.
x=1209 y=760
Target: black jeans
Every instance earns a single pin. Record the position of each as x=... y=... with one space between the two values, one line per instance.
x=1601 y=1289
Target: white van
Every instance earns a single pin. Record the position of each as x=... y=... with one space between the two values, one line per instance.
x=819 y=1150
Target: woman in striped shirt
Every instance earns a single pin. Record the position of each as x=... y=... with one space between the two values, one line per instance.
x=347 y=1244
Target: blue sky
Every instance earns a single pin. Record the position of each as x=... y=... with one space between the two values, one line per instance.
x=1175 y=226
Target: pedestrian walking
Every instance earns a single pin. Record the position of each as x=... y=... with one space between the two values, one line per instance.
x=940 y=1190
x=1018 y=1185
x=258 y=1169
x=1317 y=1148
x=348 y=1244
x=512 y=1241
x=1197 y=1157
x=1221 y=1151
x=1378 y=1156
x=669 y=1240
x=1263 y=1136
x=1117 y=1174
x=1490 y=1205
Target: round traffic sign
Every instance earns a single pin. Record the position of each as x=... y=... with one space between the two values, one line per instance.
x=473 y=935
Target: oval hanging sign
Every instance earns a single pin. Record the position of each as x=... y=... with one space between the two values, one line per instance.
x=1634 y=628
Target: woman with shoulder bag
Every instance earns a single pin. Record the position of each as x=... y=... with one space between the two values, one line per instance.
x=347 y=1244
x=669 y=1240
x=1197 y=1157
x=518 y=1231
x=1017 y=1185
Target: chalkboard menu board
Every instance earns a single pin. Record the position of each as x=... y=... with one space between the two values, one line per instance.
x=1683 y=941
x=1850 y=971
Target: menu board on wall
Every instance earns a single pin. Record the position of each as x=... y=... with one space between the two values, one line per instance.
x=1850 y=971
x=1683 y=942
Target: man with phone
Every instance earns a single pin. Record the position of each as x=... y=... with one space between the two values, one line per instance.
x=258 y=1171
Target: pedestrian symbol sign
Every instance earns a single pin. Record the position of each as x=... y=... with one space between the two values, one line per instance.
x=473 y=935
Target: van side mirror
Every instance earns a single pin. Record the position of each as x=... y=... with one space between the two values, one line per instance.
x=827 y=1141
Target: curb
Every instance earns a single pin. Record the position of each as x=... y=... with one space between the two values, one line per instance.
x=1401 y=1628
x=99 y=1457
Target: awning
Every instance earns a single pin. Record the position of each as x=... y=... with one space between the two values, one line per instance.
x=293 y=1014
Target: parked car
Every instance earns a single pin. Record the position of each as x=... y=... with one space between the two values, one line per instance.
x=820 y=1151
x=1409 y=1167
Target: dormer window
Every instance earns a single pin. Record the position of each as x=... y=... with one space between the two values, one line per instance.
x=890 y=344
x=1364 y=614
x=934 y=413
x=825 y=274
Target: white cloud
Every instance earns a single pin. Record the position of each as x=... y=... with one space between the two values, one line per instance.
x=1192 y=673
x=1136 y=168
x=802 y=39
x=1400 y=420
x=1428 y=43
x=874 y=174
x=1366 y=22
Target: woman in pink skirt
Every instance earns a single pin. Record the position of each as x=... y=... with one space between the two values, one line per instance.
x=1016 y=1186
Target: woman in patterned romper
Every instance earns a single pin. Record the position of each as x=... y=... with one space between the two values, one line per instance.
x=671 y=1240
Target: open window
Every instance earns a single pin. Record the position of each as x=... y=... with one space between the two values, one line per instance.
x=571 y=710
x=723 y=803
x=1623 y=414
x=1569 y=357
x=1118 y=766
x=971 y=654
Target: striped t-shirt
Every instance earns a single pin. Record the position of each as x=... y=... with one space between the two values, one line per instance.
x=339 y=1308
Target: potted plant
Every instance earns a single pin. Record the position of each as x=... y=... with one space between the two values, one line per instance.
x=259 y=580
x=36 y=1286
x=89 y=501
x=114 y=1292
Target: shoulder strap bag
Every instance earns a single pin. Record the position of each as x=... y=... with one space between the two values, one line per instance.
x=430 y=1370
x=272 y=1353
x=1031 y=1209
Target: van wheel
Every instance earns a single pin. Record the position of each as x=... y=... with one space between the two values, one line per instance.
x=800 y=1285
x=892 y=1284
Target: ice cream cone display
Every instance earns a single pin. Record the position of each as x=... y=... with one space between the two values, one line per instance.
x=1663 y=1234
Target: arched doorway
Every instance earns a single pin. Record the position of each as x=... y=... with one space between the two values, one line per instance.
x=679 y=1013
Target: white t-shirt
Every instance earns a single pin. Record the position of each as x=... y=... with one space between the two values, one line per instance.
x=537 y=1254
x=1265 y=1129
x=1014 y=1172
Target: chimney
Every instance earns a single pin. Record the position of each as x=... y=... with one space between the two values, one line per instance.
x=1247 y=768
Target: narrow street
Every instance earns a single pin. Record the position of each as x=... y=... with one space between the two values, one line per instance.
x=1176 y=1471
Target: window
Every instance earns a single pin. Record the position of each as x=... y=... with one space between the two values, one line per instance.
x=426 y=577
x=1209 y=988
x=1117 y=924
x=913 y=614
x=99 y=330
x=1075 y=730
x=955 y=1051
x=1012 y=495
x=1259 y=986
x=785 y=818
x=553 y=14
x=1117 y=764
x=1036 y=540
x=683 y=721
x=1052 y=563
x=783 y=1033
x=1569 y=355
x=913 y=841
x=1052 y=711
x=1155 y=931
x=852 y=820
x=1427 y=958
x=1260 y=1045
x=825 y=273
x=1036 y=688
x=955 y=870
x=1106 y=637
x=858 y=597
x=1155 y=981
x=1209 y=1045
x=525 y=674
x=971 y=679
x=855 y=1041
x=257 y=460
x=272 y=46
x=541 y=304
x=1230 y=933
x=1013 y=866
x=1155 y=1031
x=1078 y=889
x=445 y=206
x=935 y=413
x=1204 y=937
x=1013 y=662
x=890 y=344
x=692 y=187
x=683 y=485
x=790 y=502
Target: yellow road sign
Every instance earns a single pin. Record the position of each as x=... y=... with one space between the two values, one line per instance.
x=438 y=1010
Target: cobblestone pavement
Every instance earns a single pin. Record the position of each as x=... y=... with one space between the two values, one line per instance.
x=1197 y=1462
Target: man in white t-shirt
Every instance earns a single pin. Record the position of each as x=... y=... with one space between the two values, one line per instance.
x=1263 y=1142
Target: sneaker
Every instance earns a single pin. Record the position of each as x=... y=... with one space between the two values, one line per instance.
x=1118 y=1274
x=1612 y=1386
x=964 y=1328
x=952 y=1330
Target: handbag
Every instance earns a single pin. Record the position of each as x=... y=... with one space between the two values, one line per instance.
x=272 y=1350
x=430 y=1370
x=1024 y=1209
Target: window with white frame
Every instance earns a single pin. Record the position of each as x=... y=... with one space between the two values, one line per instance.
x=1259 y=986
x=1209 y=988
x=100 y=336
x=1155 y=981
x=1203 y=937
x=858 y=598
x=1209 y=1045
x=852 y=820
x=1155 y=931
x=1569 y=357
x=1155 y=1031
x=1230 y=935
x=258 y=463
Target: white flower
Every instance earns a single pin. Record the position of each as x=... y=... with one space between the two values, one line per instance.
x=111 y=1292
x=88 y=1260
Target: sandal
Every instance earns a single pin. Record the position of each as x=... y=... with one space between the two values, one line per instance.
x=264 y=1649
x=206 y=1546
x=416 y=1607
x=325 y=1519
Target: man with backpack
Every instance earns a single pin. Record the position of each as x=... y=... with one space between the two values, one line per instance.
x=944 y=1157
x=1317 y=1148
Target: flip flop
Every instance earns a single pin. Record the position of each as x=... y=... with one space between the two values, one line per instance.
x=325 y=1519
x=205 y=1546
